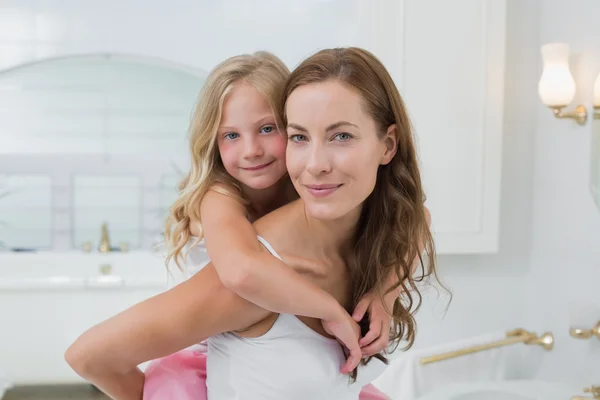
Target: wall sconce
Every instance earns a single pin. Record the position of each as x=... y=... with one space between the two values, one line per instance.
x=557 y=87
x=597 y=98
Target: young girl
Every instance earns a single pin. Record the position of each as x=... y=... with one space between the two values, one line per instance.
x=238 y=175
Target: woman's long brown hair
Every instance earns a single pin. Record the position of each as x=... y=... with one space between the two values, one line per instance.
x=393 y=231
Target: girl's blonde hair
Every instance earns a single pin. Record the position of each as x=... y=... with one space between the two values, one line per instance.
x=267 y=74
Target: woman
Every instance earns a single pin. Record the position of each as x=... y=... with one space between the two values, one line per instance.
x=360 y=215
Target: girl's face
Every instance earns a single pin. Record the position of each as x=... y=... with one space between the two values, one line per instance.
x=334 y=149
x=252 y=148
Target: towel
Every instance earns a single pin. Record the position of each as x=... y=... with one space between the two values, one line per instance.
x=407 y=378
x=5 y=384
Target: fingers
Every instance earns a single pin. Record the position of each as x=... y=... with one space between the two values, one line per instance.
x=376 y=347
x=361 y=309
x=373 y=334
x=352 y=361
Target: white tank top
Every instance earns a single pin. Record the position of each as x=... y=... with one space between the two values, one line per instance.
x=289 y=362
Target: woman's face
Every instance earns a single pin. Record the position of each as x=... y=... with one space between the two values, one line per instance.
x=333 y=150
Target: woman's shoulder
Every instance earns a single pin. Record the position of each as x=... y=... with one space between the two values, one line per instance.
x=277 y=223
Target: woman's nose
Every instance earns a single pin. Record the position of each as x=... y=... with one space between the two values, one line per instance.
x=318 y=162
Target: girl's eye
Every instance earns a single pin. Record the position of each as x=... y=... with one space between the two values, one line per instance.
x=297 y=138
x=231 y=136
x=267 y=129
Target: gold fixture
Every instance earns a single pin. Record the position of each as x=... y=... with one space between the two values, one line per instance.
x=579 y=333
x=594 y=390
x=546 y=341
x=104 y=241
x=105 y=269
x=579 y=114
x=596 y=96
x=86 y=247
x=556 y=86
x=124 y=247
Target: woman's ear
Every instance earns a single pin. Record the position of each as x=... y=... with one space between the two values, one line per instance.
x=391 y=145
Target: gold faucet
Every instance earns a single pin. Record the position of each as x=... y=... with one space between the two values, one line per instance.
x=594 y=390
x=546 y=341
x=104 y=241
x=579 y=333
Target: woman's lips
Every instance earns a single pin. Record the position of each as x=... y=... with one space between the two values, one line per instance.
x=323 y=189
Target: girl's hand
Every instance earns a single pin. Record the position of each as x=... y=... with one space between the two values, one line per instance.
x=377 y=338
x=347 y=332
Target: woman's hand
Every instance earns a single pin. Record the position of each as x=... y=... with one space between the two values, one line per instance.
x=377 y=338
x=347 y=332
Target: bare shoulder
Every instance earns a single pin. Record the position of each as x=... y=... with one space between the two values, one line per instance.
x=221 y=195
x=226 y=189
x=274 y=224
x=285 y=230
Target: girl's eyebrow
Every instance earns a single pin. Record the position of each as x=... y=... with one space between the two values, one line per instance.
x=258 y=122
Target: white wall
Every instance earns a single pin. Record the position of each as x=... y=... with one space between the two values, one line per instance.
x=489 y=290
x=565 y=262
x=550 y=229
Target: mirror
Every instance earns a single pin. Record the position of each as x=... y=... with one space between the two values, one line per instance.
x=93 y=139
x=595 y=157
x=114 y=200
x=25 y=212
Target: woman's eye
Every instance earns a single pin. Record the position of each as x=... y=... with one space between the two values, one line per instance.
x=342 y=137
x=267 y=129
x=297 y=138
x=231 y=136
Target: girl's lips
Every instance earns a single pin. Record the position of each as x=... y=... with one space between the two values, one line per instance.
x=258 y=167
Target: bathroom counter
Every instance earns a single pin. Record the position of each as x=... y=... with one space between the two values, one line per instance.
x=47 y=299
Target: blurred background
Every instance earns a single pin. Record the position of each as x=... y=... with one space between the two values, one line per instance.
x=95 y=101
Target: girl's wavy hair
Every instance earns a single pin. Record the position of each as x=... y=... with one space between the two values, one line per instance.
x=267 y=74
x=393 y=229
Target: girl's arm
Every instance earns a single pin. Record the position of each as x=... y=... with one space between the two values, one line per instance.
x=253 y=274
x=107 y=355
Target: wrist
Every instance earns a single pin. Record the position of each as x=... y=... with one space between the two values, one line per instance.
x=390 y=298
x=334 y=310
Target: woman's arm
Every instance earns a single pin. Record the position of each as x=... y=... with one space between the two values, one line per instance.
x=253 y=274
x=108 y=354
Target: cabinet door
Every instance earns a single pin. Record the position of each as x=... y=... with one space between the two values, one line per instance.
x=447 y=58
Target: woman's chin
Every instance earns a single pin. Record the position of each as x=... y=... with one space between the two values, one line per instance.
x=324 y=212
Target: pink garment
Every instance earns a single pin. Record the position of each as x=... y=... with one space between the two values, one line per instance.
x=370 y=392
x=182 y=376
x=179 y=376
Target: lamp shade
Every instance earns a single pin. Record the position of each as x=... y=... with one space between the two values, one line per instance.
x=556 y=86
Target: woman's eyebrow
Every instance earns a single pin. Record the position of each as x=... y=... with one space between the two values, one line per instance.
x=331 y=127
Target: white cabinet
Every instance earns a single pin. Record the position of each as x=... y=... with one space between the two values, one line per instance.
x=447 y=58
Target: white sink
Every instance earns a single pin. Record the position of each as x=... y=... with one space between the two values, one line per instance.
x=507 y=390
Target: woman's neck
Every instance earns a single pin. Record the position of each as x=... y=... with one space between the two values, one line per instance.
x=333 y=236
